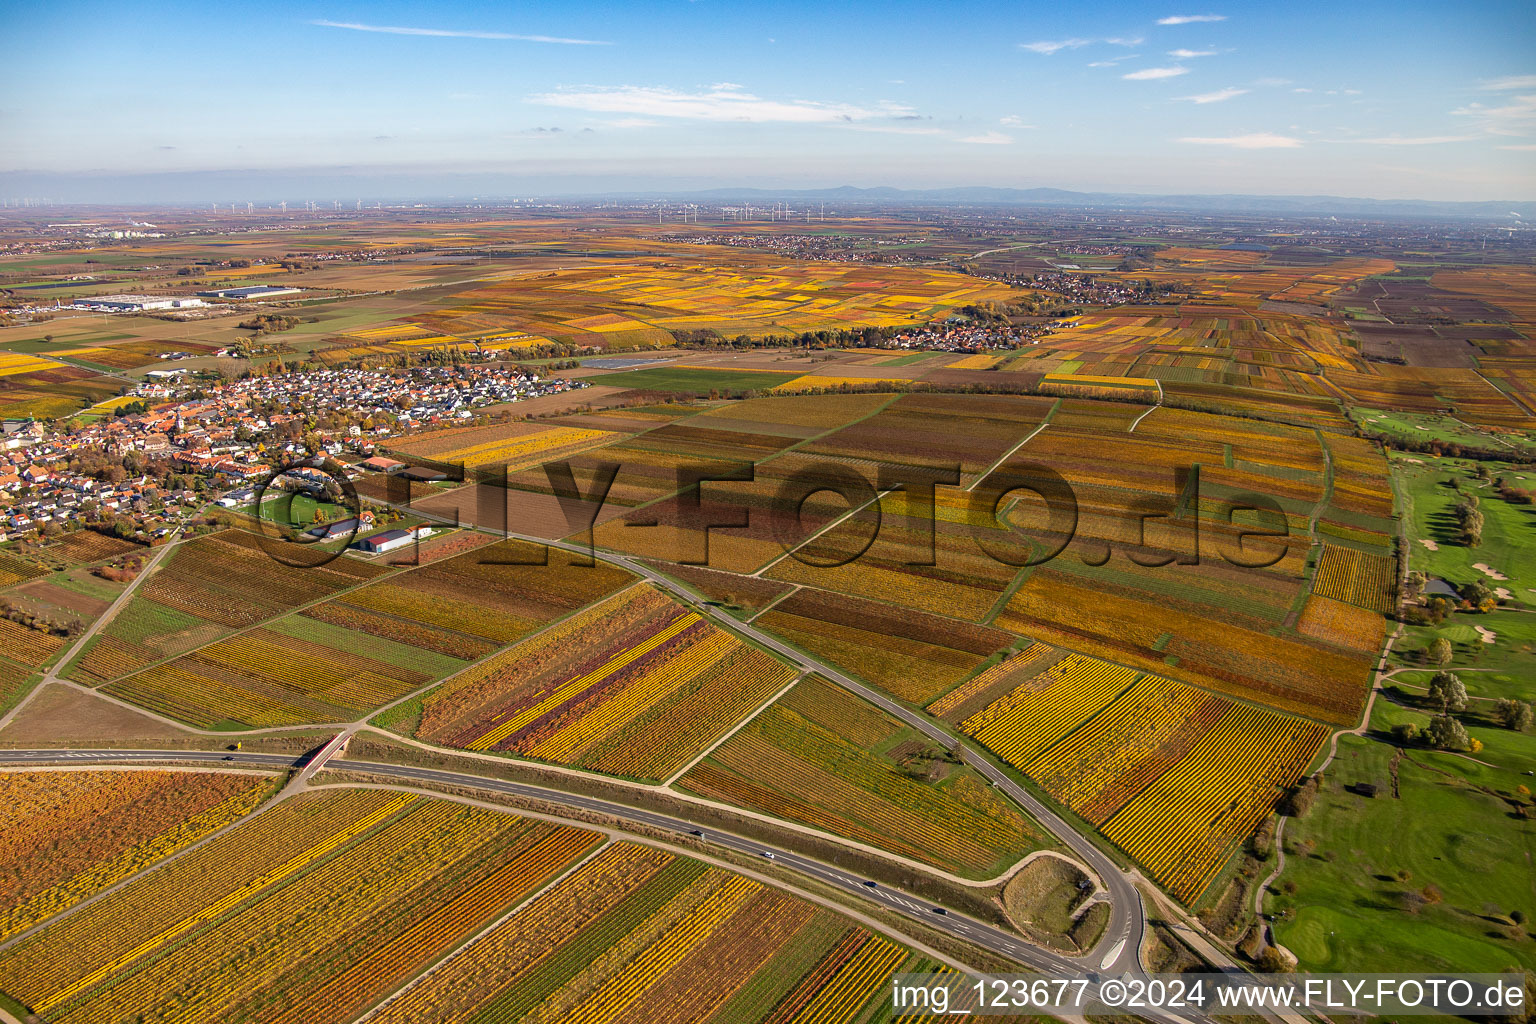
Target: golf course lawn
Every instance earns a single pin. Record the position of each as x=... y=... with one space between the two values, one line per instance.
x=1442 y=829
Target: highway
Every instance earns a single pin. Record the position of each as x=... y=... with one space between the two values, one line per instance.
x=960 y=926
x=1127 y=922
x=1128 y=917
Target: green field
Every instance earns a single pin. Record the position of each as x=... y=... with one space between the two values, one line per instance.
x=1416 y=426
x=1513 y=648
x=354 y=641
x=1509 y=531
x=1352 y=909
x=908 y=359
x=299 y=512
x=1517 y=683
x=694 y=379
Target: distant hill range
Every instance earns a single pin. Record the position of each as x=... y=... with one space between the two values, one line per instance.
x=1336 y=206
x=197 y=188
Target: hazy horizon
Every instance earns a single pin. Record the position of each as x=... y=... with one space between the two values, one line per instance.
x=1384 y=101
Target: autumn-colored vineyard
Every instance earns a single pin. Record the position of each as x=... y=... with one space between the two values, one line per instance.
x=811 y=757
x=515 y=446
x=321 y=905
x=208 y=587
x=636 y=685
x=1357 y=577
x=336 y=659
x=637 y=936
x=1173 y=775
x=100 y=827
x=1343 y=624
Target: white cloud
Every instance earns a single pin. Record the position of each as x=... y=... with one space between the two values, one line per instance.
x=1190 y=19
x=1110 y=63
x=1049 y=47
x=1152 y=74
x=1518 y=117
x=396 y=30
x=1301 y=89
x=631 y=122
x=1417 y=140
x=1013 y=122
x=712 y=105
x=1275 y=82
x=1524 y=147
x=989 y=139
x=1214 y=97
x=1189 y=54
x=1125 y=41
x=1510 y=82
x=1256 y=140
x=885 y=128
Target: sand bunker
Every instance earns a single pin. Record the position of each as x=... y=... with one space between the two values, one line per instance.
x=1492 y=574
x=1429 y=544
x=1488 y=635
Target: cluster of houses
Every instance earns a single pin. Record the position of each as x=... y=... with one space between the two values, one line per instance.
x=37 y=491
x=416 y=395
x=218 y=436
x=961 y=334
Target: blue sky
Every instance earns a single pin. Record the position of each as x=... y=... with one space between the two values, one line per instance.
x=1391 y=100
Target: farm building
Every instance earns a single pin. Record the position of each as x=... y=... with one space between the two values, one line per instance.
x=389 y=540
x=422 y=474
x=259 y=291
x=331 y=531
x=379 y=464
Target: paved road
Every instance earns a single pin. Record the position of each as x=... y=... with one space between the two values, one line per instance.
x=993 y=939
x=1127 y=922
x=1127 y=926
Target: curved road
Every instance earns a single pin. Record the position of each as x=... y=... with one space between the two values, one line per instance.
x=1128 y=915
x=1128 y=920
x=995 y=940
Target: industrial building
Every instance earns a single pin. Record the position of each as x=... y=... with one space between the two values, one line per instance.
x=137 y=303
x=389 y=540
x=258 y=291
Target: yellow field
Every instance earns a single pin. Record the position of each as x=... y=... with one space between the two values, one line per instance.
x=1183 y=826
x=528 y=449
x=817 y=380
x=1046 y=707
x=1084 y=378
x=980 y=361
x=20 y=362
x=106 y=408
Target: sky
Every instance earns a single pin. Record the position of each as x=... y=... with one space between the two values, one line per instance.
x=235 y=101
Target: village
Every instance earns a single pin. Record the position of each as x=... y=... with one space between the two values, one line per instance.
x=145 y=470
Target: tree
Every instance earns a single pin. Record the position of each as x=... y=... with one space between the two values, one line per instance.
x=1516 y=715
x=1445 y=733
x=1477 y=592
x=1272 y=961
x=1404 y=733
x=1447 y=690
x=1439 y=651
x=1472 y=529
